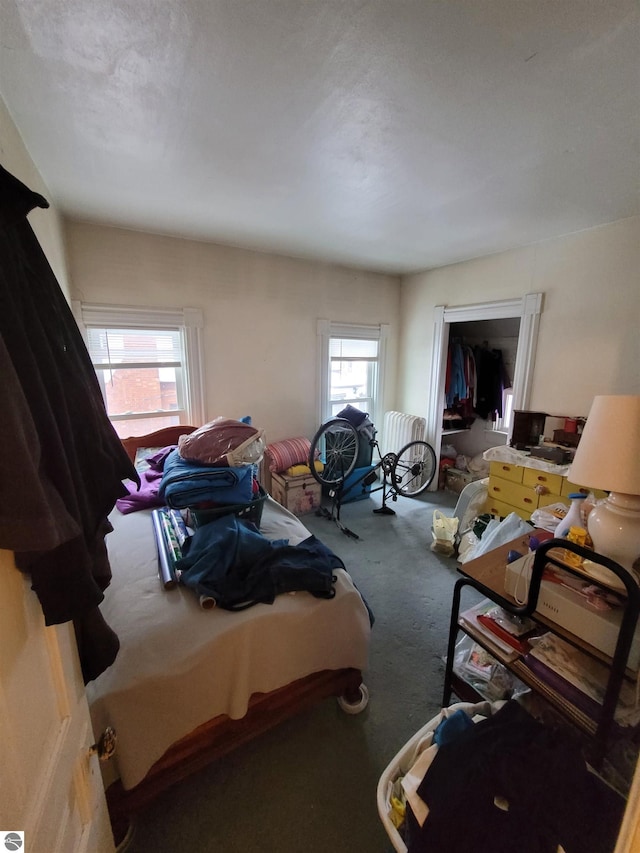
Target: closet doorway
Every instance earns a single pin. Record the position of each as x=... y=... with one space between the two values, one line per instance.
x=526 y=309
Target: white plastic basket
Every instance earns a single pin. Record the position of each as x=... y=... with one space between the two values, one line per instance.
x=402 y=762
x=475 y=493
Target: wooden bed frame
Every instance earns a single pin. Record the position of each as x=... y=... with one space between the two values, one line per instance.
x=221 y=735
x=160 y=438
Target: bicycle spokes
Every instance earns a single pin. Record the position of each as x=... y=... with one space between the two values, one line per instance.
x=414 y=469
x=336 y=446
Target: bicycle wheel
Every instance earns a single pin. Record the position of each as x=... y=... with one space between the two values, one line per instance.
x=414 y=469
x=336 y=446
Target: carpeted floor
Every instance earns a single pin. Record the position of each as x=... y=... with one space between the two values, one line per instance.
x=310 y=785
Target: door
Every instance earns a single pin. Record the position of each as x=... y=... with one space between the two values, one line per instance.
x=50 y=786
x=527 y=308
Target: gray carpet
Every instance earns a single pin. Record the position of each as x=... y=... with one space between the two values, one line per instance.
x=310 y=785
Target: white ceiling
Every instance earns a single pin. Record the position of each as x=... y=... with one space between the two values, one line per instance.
x=394 y=135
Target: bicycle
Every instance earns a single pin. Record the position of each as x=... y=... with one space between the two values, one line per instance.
x=338 y=445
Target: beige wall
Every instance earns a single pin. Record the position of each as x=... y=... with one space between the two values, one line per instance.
x=589 y=340
x=260 y=314
x=45 y=223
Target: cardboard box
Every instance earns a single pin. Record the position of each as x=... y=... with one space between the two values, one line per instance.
x=569 y=609
x=299 y=495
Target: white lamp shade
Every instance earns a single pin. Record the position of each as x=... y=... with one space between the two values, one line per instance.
x=608 y=455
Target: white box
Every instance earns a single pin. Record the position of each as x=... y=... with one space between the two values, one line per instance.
x=569 y=609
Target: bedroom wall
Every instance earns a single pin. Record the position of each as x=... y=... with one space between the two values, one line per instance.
x=260 y=313
x=47 y=224
x=588 y=342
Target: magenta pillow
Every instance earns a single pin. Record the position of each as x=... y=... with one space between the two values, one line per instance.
x=283 y=454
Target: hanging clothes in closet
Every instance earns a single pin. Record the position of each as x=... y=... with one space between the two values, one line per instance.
x=492 y=379
x=475 y=382
x=460 y=383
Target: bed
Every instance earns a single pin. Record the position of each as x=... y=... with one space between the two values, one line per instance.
x=191 y=684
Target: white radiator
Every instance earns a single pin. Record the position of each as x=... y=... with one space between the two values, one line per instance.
x=399 y=429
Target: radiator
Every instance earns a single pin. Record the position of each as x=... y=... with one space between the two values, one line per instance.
x=399 y=429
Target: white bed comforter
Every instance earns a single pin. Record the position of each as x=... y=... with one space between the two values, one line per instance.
x=180 y=665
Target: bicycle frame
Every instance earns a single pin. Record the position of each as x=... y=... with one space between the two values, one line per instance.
x=337 y=444
x=339 y=492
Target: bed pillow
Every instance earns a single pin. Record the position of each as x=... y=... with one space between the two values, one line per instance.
x=283 y=454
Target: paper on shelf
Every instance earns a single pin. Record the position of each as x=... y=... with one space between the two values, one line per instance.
x=587 y=674
x=470 y=618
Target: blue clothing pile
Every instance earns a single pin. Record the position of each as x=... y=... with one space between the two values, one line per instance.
x=188 y=484
x=230 y=561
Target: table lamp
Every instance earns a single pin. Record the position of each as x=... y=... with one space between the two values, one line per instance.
x=608 y=458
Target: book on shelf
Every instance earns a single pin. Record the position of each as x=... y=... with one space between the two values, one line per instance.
x=579 y=678
x=469 y=618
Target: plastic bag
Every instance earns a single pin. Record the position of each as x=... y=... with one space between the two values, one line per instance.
x=448 y=451
x=500 y=532
x=467 y=546
x=223 y=442
x=548 y=517
x=444 y=531
x=483 y=672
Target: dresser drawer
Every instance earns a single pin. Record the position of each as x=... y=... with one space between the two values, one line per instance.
x=568 y=487
x=506 y=471
x=532 y=477
x=501 y=510
x=513 y=493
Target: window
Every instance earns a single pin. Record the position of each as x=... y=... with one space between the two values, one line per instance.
x=148 y=364
x=351 y=368
x=353 y=374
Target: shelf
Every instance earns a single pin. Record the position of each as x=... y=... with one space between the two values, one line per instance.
x=455 y=431
x=573 y=714
x=529 y=678
x=486 y=575
x=464 y=691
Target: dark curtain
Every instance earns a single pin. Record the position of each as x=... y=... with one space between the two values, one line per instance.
x=62 y=463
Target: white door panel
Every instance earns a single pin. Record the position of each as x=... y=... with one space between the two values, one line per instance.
x=50 y=785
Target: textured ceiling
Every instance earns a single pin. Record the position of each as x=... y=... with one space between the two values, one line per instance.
x=391 y=135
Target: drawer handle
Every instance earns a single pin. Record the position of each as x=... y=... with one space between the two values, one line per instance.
x=496 y=488
x=506 y=468
x=528 y=500
x=542 y=479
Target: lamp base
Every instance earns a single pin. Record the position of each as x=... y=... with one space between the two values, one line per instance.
x=614 y=527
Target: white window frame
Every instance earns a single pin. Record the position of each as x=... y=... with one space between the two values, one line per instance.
x=326 y=329
x=189 y=321
x=503 y=424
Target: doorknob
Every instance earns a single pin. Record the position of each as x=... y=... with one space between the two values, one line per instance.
x=105 y=746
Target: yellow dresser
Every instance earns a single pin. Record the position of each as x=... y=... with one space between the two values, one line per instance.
x=516 y=488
